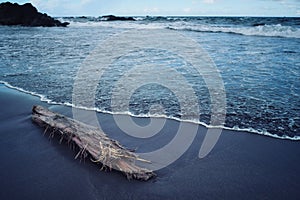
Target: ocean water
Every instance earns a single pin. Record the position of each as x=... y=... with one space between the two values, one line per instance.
x=258 y=60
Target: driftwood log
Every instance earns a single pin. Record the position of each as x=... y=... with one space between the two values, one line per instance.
x=91 y=141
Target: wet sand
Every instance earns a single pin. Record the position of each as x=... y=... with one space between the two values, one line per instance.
x=241 y=166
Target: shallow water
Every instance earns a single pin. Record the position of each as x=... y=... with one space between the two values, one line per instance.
x=259 y=66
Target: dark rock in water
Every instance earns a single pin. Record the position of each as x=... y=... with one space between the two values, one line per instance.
x=116 y=18
x=259 y=24
x=155 y=18
x=25 y=15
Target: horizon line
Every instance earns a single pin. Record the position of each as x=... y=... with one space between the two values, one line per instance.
x=178 y=16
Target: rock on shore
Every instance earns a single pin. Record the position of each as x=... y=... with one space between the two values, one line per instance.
x=25 y=15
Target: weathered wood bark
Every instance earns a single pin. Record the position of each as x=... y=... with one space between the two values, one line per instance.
x=90 y=139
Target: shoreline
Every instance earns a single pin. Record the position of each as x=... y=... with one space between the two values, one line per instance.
x=241 y=165
x=244 y=130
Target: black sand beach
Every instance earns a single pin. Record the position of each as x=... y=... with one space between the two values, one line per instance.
x=241 y=166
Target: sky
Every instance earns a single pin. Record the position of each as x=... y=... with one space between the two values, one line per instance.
x=167 y=7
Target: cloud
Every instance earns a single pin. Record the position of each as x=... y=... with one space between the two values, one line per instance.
x=151 y=10
x=209 y=1
x=187 y=10
x=197 y=2
x=85 y=1
x=45 y=4
x=62 y=7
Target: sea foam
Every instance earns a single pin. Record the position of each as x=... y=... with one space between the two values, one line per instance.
x=235 y=128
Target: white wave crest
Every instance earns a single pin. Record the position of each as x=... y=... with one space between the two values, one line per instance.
x=118 y=25
x=263 y=30
x=235 y=128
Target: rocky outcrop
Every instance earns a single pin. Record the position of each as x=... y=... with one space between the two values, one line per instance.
x=25 y=15
x=116 y=18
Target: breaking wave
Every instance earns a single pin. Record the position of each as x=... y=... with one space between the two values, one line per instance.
x=43 y=98
x=257 y=29
x=261 y=30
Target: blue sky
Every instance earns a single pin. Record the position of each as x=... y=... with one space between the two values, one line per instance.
x=167 y=7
